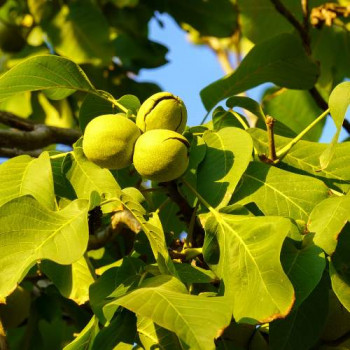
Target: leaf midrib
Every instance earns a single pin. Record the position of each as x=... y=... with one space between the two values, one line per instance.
x=277 y=191
x=219 y=219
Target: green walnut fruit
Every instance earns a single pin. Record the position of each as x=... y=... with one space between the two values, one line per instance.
x=109 y=141
x=162 y=111
x=161 y=155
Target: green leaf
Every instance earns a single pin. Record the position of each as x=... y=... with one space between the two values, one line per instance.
x=222 y=118
x=339 y=269
x=303 y=158
x=339 y=101
x=194 y=274
x=165 y=301
x=228 y=154
x=93 y=106
x=280 y=60
x=153 y=336
x=246 y=103
x=296 y=109
x=73 y=281
x=338 y=320
x=44 y=73
x=31 y=232
x=270 y=188
x=154 y=231
x=211 y=18
x=24 y=175
x=87 y=177
x=84 y=339
x=130 y=102
x=135 y=52
x=63 y=187
x=80 y=31
x=117 y=280
x=119 y=334
x=327 y=220
x=303 y=327
x=304 y=267
x=245 y=253
x=260 y=20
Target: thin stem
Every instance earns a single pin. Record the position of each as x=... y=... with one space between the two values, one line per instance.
x=153 y=189
x=306 y=14
x=111 y=99
x=283 y=10
x=282 y=152
x=271 y=138
x=189 y=238
x=201 y=199
x=60 y=155
x=240 y=119
x=204 y=118
x=110 y=200
x=143 y=276
x=336 y=193
x=161 y=207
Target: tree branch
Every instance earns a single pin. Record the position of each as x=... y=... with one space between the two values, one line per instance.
x=279 y=6
x=29 y=136
x=14 y=152
x=306 y=14
x=10 y=119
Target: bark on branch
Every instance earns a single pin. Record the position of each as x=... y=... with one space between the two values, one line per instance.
x=26 y=137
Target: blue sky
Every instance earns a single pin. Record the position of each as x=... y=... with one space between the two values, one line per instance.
x=191 y=68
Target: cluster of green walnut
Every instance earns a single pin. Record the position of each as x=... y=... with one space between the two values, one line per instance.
x=154 y=143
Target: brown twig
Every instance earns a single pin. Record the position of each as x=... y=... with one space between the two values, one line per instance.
x=42 y=136
x=306 y=14
x=14 y=152
x=279 y=6
x=27 y=137
x=14 y=121
x=271 y=138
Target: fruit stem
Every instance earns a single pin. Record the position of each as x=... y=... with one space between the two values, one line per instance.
x=201 y=199
x=282 y=152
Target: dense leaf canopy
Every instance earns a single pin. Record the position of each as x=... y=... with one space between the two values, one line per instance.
x=248 y=250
